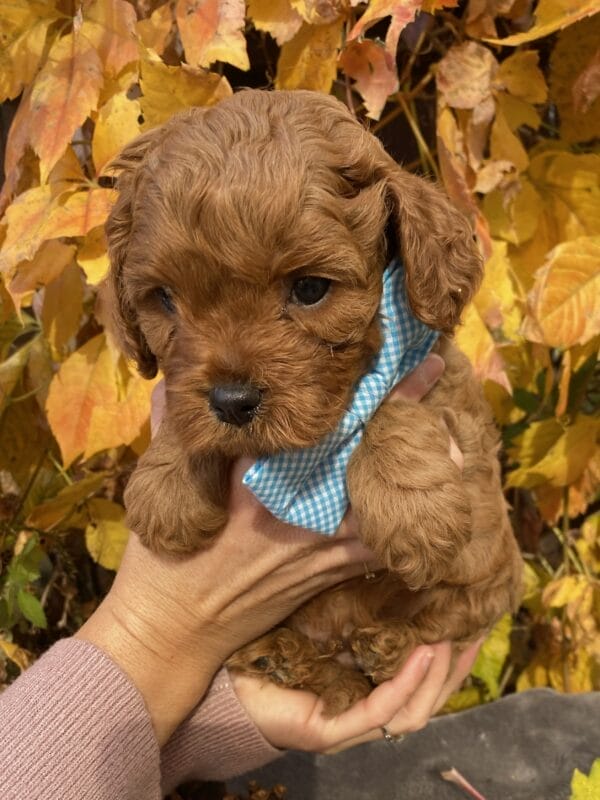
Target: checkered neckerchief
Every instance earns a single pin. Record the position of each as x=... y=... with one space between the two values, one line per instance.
x=307 y=487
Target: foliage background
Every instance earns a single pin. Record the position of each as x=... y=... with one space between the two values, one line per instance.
x=496 y=99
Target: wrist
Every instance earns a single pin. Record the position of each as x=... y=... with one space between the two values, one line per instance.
x=170 y=669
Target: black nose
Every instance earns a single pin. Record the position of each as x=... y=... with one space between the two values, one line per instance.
x=235 y=403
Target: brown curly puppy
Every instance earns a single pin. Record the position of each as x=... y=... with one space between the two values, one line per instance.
x=247 y=247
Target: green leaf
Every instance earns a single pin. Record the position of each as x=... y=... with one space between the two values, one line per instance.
x=492 y=656
x=32 y=609
x=586 y=787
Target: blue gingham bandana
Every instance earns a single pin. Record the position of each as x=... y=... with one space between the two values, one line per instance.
x=307 y=487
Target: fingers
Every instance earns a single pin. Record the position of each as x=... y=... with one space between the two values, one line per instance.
x=417 y=383
x=462 y=668
x=365 y=719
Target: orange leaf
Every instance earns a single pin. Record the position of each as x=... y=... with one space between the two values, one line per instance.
x=26 y=218
x=80 y=212
x=402 y=13
x=65 y=92
x=109 y=26
x=374 y=70
x=47 y=264
x=85 y=380
x=212 y=30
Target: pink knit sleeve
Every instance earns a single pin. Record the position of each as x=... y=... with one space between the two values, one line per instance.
x=74 y=726
x=216 y=742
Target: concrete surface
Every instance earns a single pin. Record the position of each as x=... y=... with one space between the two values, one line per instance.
x=523 y=747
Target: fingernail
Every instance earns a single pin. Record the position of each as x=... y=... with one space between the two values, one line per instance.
x=425 y=660
x=432 y=368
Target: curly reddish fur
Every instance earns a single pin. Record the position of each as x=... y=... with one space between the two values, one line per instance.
x=225 y=207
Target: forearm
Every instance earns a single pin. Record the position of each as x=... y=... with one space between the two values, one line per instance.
x=216 y=742
x=74 y=726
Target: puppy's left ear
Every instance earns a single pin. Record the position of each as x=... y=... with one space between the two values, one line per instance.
x=129 y=164
x=442 y=264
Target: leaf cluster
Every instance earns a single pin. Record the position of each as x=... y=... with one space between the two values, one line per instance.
x=498 y=100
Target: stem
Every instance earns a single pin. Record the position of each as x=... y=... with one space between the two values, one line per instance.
x=421 y=143
x=454 y=776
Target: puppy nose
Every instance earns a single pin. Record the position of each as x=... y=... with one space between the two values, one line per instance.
x=235 y=403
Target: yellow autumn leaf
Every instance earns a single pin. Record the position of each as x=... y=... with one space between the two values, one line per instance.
x=506 y=145
x=167 y=90
x=563 y=308
x=65 y=92
x=551 y=454
x=477 y=343
x=26 y=220
x=516 y=220
x=60 y=320
x=492 y=655
x=84 y=380
x=565 y=590
x=116 y=125
x=121 y=421
x=47 y=264
x=92 y=256
x=156 y=30
x=11 y=370
x=107 y=534
x=496 y=299
x=22 y=658
x=309 y=60
x=520 y=75
x=277 y=17
x=79 y=213
x=551 y=16
x=570 y=186
x=212 y=30
x=320 y=12
x=574 y=53
x=48 y=514
x=23 y=30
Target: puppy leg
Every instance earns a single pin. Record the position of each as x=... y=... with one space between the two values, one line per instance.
x=381 y=649
x=291 y=659
x=173 y=503
x=408 y=495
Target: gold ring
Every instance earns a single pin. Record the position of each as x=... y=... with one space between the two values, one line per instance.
x=369 y=574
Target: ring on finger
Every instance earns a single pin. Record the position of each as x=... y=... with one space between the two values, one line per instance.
x=369 y=574
x=390 y=738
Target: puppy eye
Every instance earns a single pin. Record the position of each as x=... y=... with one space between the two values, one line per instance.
x=165 y=298
x=308 y=291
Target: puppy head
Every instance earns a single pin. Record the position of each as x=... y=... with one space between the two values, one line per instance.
x=247 y=249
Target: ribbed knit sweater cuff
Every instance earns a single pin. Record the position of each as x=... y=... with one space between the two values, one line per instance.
x=74 y=726
x=216 y=742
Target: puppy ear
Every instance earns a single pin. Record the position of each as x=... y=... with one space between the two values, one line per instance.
x=442 y=264
x=118 y=229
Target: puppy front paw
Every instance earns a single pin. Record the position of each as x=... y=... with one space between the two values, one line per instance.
x=408 y=495
x=173 y=506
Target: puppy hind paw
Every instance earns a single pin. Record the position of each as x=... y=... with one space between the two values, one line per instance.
x=344 y=693
x=381 y=652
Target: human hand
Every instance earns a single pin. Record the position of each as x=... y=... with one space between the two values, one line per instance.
x=293 y=719
x=171 y=622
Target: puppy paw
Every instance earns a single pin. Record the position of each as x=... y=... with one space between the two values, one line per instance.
x=408 y=495
x=173 y=505
x=284 y=656
x=342 y=694
x=381 y=651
